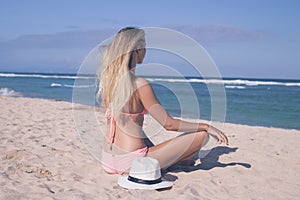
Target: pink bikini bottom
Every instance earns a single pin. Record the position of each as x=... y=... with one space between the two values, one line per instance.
x=117 y=164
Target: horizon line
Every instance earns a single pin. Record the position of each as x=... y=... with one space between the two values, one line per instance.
x=167 y=76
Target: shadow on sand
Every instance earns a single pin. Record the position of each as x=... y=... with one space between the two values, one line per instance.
x=209 y=162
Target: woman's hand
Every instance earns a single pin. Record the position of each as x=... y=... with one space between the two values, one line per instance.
x=222 y=139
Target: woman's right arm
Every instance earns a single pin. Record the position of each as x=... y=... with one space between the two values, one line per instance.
x=156 y=110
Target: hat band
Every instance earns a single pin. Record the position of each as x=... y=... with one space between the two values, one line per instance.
x=141 y=181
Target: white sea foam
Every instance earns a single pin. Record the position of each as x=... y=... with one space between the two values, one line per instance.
x=12 y=75
x=174 y=80
x=56 y=85
x=235 y=87
x=79 y=86
x=71 y=86
x=9 y=93
x=226 y=82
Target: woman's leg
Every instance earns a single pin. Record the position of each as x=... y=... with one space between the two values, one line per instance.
x=178 y=149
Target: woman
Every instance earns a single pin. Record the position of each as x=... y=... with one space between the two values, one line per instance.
x=127 y=98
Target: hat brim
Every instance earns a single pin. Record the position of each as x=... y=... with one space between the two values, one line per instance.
x=125 y=183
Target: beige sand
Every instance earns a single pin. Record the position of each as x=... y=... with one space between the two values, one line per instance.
x=42 y=157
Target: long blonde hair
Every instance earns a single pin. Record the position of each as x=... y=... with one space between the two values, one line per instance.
x=116 y=85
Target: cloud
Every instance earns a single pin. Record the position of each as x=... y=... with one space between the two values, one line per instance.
x=88 y=38
x=219 y=33
x=72 y=27
x=59 y=50
x=70 y=47
x=69 y=39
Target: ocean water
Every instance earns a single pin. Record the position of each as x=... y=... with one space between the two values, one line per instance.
x=259 y=102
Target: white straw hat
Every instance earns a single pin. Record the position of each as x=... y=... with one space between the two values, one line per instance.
x=144 y=174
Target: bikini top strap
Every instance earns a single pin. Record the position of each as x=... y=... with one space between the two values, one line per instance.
x=144 y=112
x=112 y=131
x=136 y=114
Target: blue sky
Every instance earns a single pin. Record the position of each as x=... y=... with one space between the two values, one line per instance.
x=257 y=38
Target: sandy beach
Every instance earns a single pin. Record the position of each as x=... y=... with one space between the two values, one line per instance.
x=43 y=157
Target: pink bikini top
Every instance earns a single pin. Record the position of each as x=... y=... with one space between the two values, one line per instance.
x=112 y=131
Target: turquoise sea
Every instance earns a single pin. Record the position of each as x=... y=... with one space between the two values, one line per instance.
x=259 y=102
